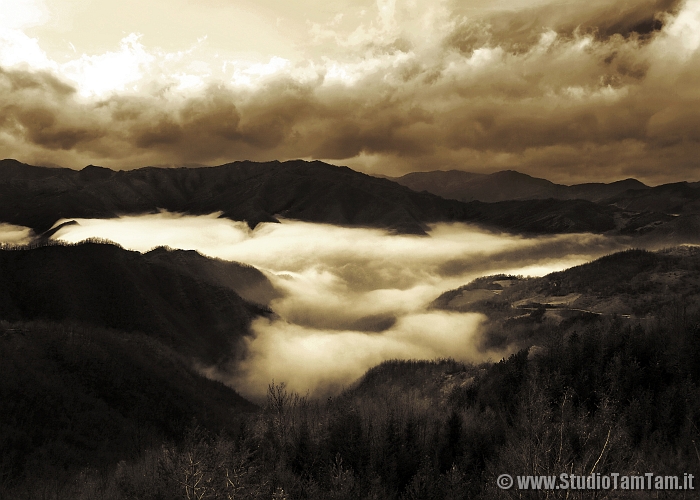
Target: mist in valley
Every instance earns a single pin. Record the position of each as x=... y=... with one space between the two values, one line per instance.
x=15 y=235
x=351 y=297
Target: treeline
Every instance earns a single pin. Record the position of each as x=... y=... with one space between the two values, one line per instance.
x=643 y=281
x=45 y=242
x=74 y=396
x=105 y=286
x=608 y=398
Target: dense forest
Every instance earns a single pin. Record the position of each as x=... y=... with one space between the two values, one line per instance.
x=635 y=284
x=605 y=396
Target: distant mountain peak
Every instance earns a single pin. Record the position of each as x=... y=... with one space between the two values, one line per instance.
x=94 y=172
x=509 y=185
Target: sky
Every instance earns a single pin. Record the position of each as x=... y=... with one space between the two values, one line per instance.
x=350 y=297
x=573 y=91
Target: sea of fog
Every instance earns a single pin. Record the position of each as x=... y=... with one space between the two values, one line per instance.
x=353 y=297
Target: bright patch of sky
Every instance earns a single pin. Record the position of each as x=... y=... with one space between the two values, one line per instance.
x=104 y=47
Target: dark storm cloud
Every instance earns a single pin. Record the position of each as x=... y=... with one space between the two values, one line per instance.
x=386 y=128
x=572 y=92
x=641 y=18
x=14 y=81
x=36 y=107
x=535 y=126
x=518 y=30
x=198 y=123
x=42 y=127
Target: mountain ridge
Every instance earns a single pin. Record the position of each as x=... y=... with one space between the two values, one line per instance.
x=38 y=197
x=105 y=286
x=262 y=192
x=633 y=283
x=509 y=185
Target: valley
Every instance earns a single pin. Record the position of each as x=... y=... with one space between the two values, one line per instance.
x=349 y=250
x=333 y=348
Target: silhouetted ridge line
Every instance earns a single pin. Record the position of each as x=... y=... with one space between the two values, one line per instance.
x=189 y=302
x=43 y=242
x=37 y=197
x=509 y=185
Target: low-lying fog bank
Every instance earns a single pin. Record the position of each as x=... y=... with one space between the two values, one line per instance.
x=353 y=297
x=15 y=235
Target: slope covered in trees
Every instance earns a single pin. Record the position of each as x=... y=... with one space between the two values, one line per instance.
x=97 y=412
x=76 y=396
x=102 y=285
x=37 y=197
x=608 y=398
x=633 y=282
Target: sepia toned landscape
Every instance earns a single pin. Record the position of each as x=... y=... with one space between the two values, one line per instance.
x=353 y=250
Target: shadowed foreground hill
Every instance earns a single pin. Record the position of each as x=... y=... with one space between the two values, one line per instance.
x=75 y=396
x=96 y=413
x=609 y=399
x=96 y=354
x=37 y=197
x=245 y=280
x=106 y=286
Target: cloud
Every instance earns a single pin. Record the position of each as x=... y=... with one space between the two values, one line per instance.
x=15 y=235
x=352 y=297
x=583 y=91
x=38 y=108
x=519 y=29
x=101 y=74
x=323 y=362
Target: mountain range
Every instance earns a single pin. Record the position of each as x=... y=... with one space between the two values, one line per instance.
x=509 y=185
x=102 y=349
x=37 y=197
x=668 y=212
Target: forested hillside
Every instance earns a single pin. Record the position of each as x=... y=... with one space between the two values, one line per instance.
x=188 y=307
x=94 y=411
x=606 y=398
x=634 y=283
x=80 y=397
